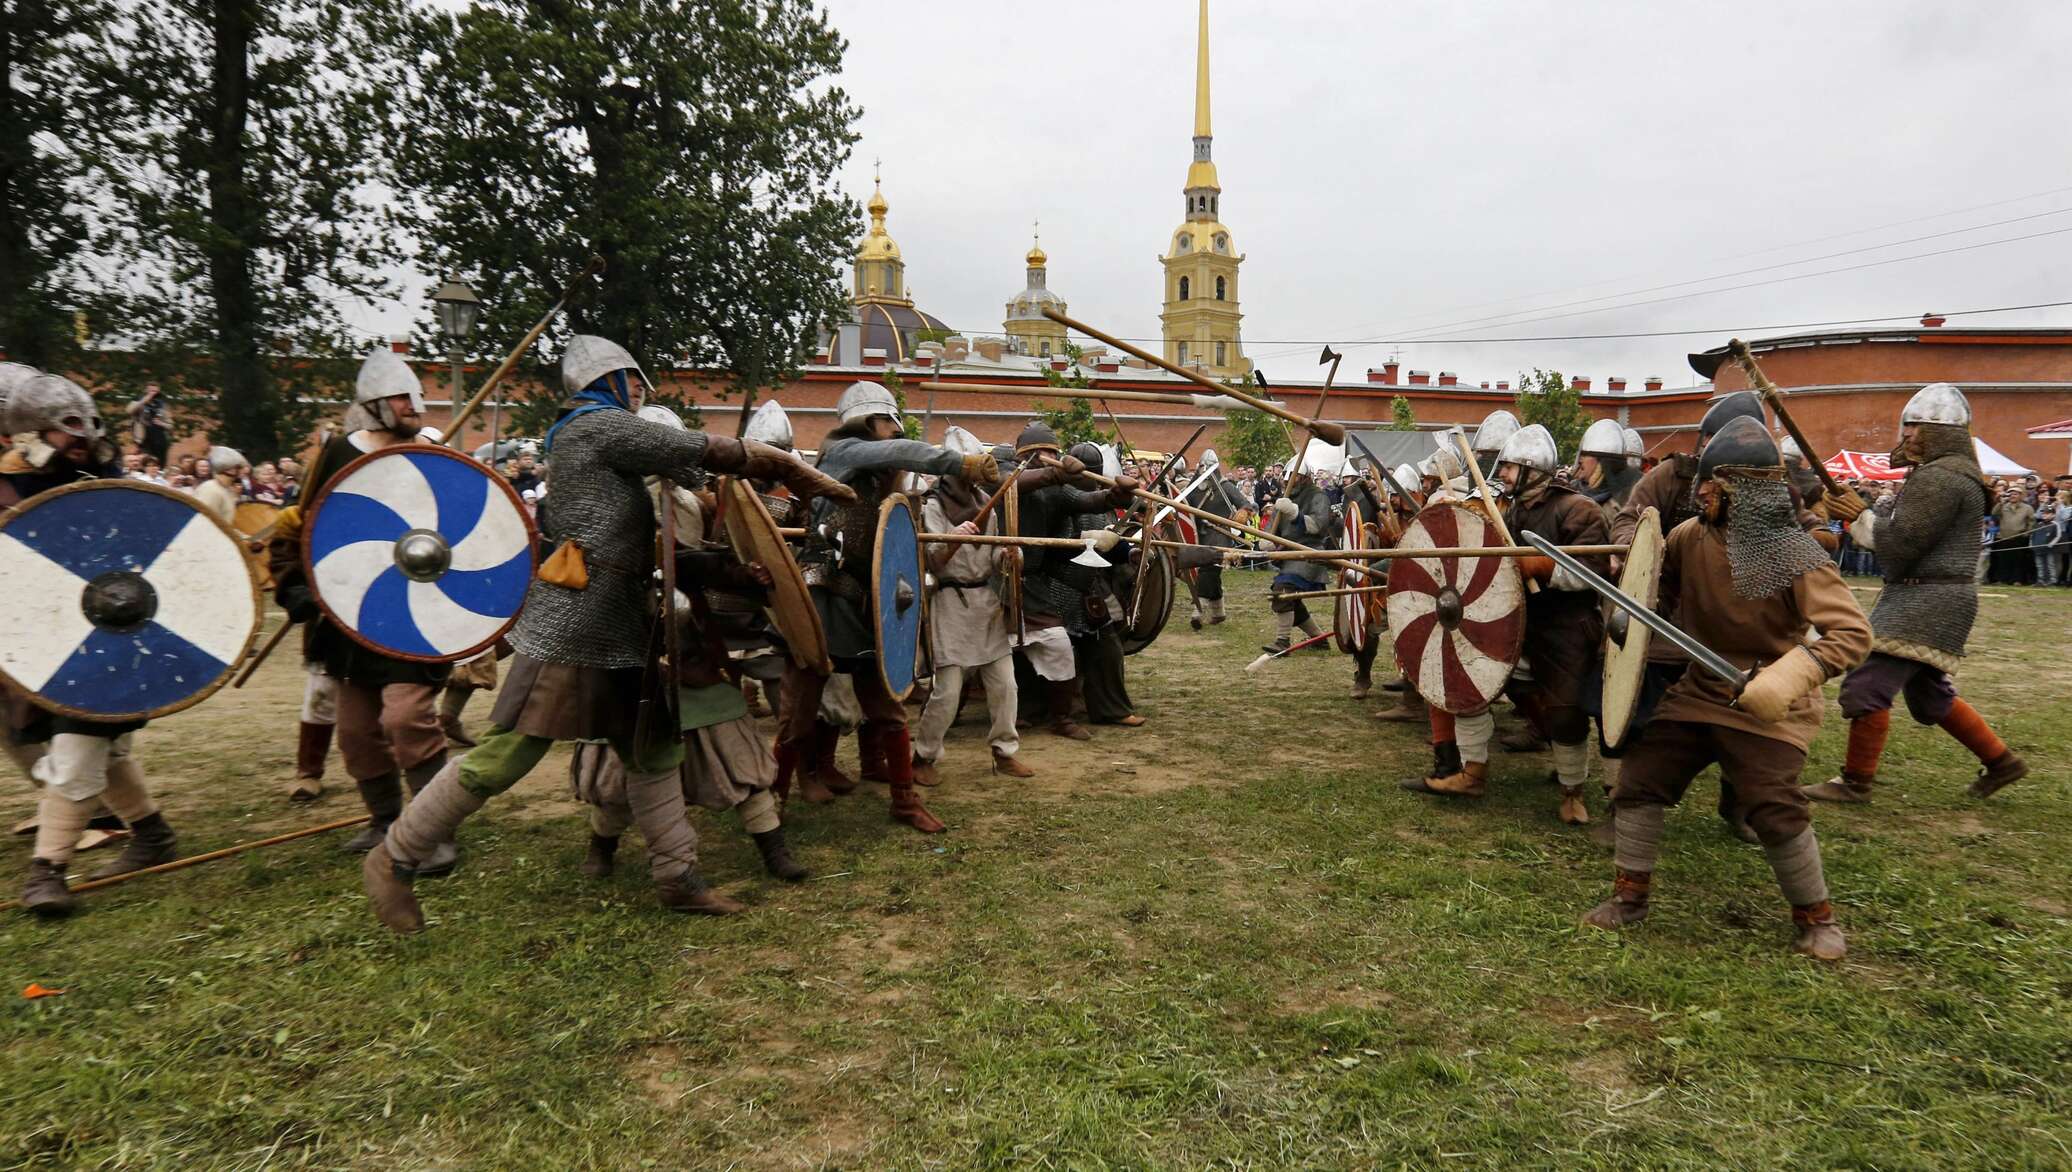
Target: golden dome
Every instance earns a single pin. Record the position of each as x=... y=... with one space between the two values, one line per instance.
x=877 y=244
x=1194 y=236
x=1202 y=173
x=1036 y=258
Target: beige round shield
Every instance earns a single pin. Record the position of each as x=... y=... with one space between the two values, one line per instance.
x=754 y=536
x=1626 y=640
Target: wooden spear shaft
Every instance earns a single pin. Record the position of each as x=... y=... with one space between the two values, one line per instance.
x=1330 y=432
x=474 y=404
x=1775 y=398
x=1049 y=392
x=208 y=857
x=1388 y=555
x=1333 y=592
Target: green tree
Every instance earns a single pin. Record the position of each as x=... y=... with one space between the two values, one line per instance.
x=914 y=428
x=1073 y=422
x=1253 y=439
x=238 y=154
x=1400 y=416
x=1545 y=398
x=693 y=146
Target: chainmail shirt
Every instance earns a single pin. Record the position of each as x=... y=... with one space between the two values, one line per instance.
x=1929 y=548
x=1767 y=549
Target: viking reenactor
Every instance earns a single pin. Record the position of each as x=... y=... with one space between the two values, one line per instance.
x=867 y=452
x=1376 y=530
x=1745 y=580
x=1409 y=706
x=968 y=625
x=1815 y=506
x=220 y=493
x=1216 y=494
x=1928 y=548
x=1097 y=652
x=82 y=764
x=583 y=640
x=387 y=719
x=469 y=677
x=1608 y=474
x=726 y=766
x=1494 y=431
x=1564 y=626
x=1054 y=612
x=1460 y=743
x=1302 y=515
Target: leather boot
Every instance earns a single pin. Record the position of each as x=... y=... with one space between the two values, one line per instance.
x=1445 y=763
x=1363 y=685
x=688 y=893
x=1574 y=811
x=1063 y=697
x=833 y=781
x=1470 y=782
x=444 y=856
x=1523 y=740
x=786 y=755
x=387 y=883
x=312 y=745
x=2004 y=771
x=1006 y=765
x=777 y=858
x=1628 y=904
x=1606 y=833
x=924 y=773
x=151 y=842
x=898 y=751
x=384 y=799
x=1409 y=706
x=597 y=861
x=45 y=893
x=869 y=767
x=1818 y=935
x=1855 y=790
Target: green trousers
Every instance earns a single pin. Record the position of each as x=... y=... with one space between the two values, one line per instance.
x=501 y=757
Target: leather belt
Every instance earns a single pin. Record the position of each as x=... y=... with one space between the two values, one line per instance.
x=1942 y=581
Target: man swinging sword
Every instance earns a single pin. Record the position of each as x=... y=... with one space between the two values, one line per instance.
x=1747 y=588
x=1929 y=550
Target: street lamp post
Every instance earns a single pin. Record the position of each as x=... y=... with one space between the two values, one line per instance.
x=458 y=309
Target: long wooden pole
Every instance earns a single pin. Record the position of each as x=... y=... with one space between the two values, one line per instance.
x=251 y=666
x=208 y=857
x=1775 y=398
x=1333 y=592
x=474 y=404
x=1049 y=392
x=1496 y=512
x=1330 y=432
x=1388 y=555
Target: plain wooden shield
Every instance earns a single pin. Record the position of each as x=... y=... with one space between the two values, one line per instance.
x=753 y=534
x=1626 y=642
x=1011 y=569
x=1459 y=623
x=899 y=603
x=1154 y=594
x=256 y=520
x=1351 y=625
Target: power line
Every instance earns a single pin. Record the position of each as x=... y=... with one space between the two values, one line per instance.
x=1728 y=330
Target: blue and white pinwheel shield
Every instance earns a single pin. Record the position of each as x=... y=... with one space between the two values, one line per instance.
x=420 y=553
x=121 y=601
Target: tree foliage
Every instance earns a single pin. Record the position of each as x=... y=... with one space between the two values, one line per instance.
x=1546 y=398
x=692 y=146
x=1253 y=439
x=1401 y=418
x=1074 y=421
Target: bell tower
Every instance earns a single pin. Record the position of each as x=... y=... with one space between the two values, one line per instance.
x=1200 y=318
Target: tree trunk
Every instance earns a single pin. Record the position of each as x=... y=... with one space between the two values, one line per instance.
x=20 y=336
x=245 y=396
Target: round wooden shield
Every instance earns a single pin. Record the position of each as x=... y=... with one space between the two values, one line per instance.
x=898 y=602
x=1153 y=592
x=124 y=601
x=256 y=520
x=1626 y=640
x=753 y=533
x=1459 y=623
x=420 y=553
x=1351 y=613
x=1011 y=570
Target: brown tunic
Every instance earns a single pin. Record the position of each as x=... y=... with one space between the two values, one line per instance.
x=1564 y=629
x=1697 y=590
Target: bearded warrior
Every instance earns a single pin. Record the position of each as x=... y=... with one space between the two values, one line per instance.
x=1744 y=579
x=582 y=668
x=1928 y=549
x=80 y=765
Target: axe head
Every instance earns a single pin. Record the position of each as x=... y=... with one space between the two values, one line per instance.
x=1328 y=356
x=1259 y=376
x=1089 y=558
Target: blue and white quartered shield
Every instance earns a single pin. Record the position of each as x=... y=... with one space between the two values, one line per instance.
x=896 y=597
x=121 y=600
x=420 y=553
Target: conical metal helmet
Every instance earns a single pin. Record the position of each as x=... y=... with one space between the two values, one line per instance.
x=588 y=358
x=1740 y=443
x=384 y=375
x=962 y=442
x=52 y=402
x=770 y=425
x=1406 y=476
x=1788 y=448
x=863 y=400
x=1495 y=430
x=13 y=376
x=1604 y=438
x=223 y=458
x=1209 y=459
x=1938 y=403
x=1531 y=447
x=1635 y=448
x=1739 y=405
x=1445 y=463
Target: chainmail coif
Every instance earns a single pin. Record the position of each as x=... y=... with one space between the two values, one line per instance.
x=1766 y=548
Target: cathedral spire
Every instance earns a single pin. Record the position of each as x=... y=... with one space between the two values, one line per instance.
x=1201 y=77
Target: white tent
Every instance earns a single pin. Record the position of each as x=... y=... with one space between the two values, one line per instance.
x=1320 y=459
x=1992 y=463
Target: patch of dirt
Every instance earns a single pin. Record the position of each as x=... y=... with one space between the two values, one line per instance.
x=1606 y=1070
x=1342 y=996
x=2050 y=907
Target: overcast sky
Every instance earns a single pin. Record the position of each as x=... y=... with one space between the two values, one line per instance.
x=1391 y=167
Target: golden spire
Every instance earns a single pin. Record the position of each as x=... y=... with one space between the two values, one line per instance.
x=1036 y=258
x=1201 y=77
x=878 y=243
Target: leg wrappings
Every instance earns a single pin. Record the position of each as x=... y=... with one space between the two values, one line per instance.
x=1796 y=862
x=657 y=802
x=433 y=816
x=1867 y=735
x=1971 y=731
x=1473 y=734
x=1640 y=837
x=1572 y=763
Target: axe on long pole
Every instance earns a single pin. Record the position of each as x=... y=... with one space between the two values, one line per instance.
x=1775 y=398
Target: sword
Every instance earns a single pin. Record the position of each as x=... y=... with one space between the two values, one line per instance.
x=1705 y=656
x=1381 y=468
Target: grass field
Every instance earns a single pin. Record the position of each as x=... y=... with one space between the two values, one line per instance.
x=1225 y=939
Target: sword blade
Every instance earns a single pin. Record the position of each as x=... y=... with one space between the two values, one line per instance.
x=1703 y=655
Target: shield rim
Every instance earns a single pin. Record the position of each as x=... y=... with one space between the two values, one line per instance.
x=1632 y=657
x=744 y=504
x=1507 y=568
x=316 y=505
x=1348 y=610
x=1131 y=641
x=893 y=501
x=1011 y=524
x=207 y=690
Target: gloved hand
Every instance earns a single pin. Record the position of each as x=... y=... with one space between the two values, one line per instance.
x=982 y=469
x=1844 y=506
x=300 y=604
x=1127 y=483
x=1861 y=530
x=1104 y=539
x=1285 y=509
x=1769 y=695
x=1071 y=466
x=1536 y=567
x=759 y=461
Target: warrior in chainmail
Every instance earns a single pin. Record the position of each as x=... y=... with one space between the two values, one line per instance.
x=1608 y=475
x=1928 y=548
x=1097 y=656
x=83 y=767
x=1055 y=612
x=1375 y=531
x=384 y=709
x=1743 y=579
x=868 y=452
x=1302 y=515
x=1212 y=493
x=582 y=669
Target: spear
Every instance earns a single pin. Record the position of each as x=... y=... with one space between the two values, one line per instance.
x=474 y=404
